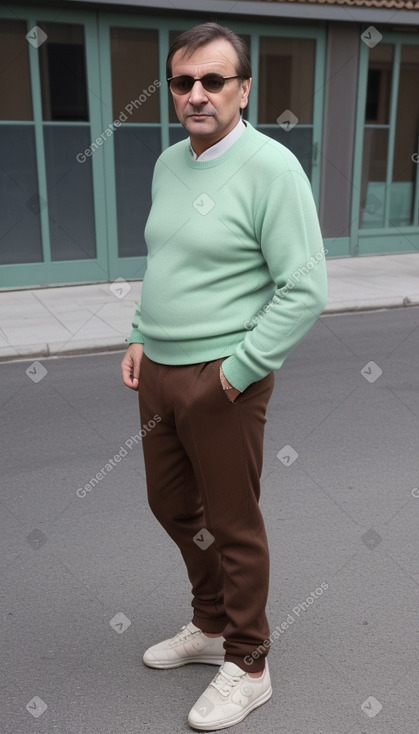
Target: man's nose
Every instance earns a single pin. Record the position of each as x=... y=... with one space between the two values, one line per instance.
x=197 y=95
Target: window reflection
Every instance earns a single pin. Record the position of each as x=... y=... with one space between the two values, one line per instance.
x=286 y=78
x=15 y=90
x=135 y=74
x=62 y=68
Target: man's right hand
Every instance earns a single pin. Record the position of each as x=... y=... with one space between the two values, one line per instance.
x=130 y=365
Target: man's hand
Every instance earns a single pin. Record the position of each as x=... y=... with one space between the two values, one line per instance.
x=231 y=394
x=130 y=365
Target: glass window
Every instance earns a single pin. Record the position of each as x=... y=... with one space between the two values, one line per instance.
x=380 y=71
x=376 y=137
x=375 y=153
x=286 y=79
x=286 y=84
x=20 y=230
x=15 y=90
x=136 y=151
x=407 y=126
x=388 y=196
x=70 y=193
x=62 y=68
x=135 y=94
x=135 y=73
x=374 y=167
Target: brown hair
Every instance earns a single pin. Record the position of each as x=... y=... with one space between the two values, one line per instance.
x=204 y=33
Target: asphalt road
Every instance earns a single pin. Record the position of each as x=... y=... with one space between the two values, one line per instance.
x=88 y=579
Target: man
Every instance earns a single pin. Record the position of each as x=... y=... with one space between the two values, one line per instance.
x=235 y=278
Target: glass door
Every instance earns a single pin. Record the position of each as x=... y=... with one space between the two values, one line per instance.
x=131 y=56
x=137 y=143
x=20 y=226
x=51 y=229
x=403 y=193
x=66 y=132
x=388 y=171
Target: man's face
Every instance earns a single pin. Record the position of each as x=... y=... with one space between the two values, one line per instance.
x=209 y=116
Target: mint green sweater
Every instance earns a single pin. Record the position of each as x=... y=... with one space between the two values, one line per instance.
x=235 y=264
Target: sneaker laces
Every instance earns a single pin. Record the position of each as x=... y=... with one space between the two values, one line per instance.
x=224 y=683
x=182 y=635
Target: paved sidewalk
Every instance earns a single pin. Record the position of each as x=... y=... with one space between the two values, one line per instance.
x=47 y=322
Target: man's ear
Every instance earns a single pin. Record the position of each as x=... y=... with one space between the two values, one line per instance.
x=246 y=84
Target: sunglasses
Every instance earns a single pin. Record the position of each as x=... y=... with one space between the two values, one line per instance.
x=211 y=82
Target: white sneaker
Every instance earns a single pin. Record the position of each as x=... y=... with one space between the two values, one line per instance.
x=231 y=696
x=190 y=645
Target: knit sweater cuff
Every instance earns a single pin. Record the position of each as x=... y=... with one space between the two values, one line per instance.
x=136 y=337
x=238 y=374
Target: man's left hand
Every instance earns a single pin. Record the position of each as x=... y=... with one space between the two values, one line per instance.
x=233 y=392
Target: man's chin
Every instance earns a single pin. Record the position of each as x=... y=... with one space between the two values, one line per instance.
x=200 y=126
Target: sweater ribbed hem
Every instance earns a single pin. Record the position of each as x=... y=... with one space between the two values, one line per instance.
x=191 y=351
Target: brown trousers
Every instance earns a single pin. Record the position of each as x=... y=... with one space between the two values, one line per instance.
x=203 y=463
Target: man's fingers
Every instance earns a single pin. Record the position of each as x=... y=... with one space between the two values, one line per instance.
x=128 y=378
x=130 y=366
x=131 y=382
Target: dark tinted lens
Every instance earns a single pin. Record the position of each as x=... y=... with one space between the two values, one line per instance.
x=181 y=84
x=213 y=82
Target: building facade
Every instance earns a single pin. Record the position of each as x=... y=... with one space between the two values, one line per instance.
x=85 y=111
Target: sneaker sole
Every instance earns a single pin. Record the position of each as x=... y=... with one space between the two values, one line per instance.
x=178 y=664
x=235 y=719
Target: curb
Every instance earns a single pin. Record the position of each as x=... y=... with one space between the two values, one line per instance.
x=47 y=351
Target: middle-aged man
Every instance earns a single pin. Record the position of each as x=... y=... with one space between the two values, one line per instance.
x=235 y=278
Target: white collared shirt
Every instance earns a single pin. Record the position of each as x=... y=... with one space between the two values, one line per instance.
x=224 y=144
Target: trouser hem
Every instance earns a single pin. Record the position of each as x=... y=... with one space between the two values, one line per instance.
x=246 y=662
x=213 y=626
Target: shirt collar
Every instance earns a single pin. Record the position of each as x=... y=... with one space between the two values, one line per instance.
x=224 y=144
